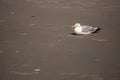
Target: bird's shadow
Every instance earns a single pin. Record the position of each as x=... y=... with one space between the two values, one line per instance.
x=73 y=34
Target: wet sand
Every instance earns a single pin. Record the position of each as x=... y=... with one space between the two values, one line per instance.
x=36 y=41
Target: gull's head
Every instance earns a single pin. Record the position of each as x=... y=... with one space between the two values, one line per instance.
x=76 y=25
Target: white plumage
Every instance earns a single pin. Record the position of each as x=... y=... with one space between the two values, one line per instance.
x=84 y=29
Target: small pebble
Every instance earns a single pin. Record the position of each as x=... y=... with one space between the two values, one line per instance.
x=59 y=40
x=24 y=34
x=52 y=45
x=32 y=24
x=37 y=70
x=1 y=52
x=32 y=16
x=12 y=13
x=17 y=52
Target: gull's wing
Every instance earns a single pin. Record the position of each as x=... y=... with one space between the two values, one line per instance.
x=88 y=28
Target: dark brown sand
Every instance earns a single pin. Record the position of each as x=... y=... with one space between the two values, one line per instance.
x=36 y=41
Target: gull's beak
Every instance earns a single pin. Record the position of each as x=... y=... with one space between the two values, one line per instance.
x=73 y=26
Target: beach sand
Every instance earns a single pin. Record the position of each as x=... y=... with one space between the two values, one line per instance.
x=36 y=41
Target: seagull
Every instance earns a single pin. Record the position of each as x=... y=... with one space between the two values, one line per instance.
x=84 y=29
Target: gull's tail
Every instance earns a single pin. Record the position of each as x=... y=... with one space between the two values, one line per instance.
x=96 y=30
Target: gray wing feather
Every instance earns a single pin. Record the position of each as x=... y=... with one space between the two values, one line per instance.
x=88 y=28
